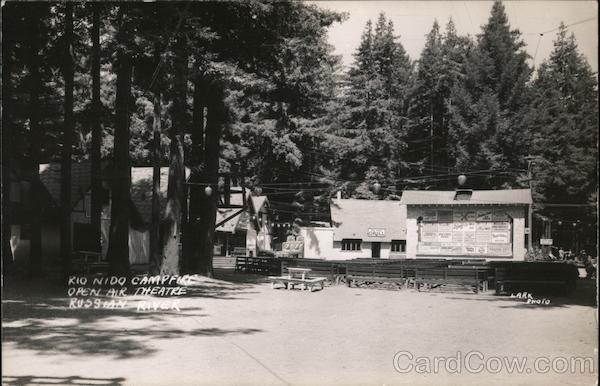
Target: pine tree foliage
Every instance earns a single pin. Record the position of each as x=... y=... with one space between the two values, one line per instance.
x=563 y=123
x=375 y=98
x=287 y=119
x=487 y=106
x=440 y=70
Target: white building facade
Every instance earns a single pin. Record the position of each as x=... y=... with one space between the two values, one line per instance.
x=484 y=224
x=360 y=229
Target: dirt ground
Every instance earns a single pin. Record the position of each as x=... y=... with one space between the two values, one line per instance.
x=239 y=331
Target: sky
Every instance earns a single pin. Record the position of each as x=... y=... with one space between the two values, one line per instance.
x=413 y=20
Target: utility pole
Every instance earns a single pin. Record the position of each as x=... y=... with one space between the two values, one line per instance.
x=530 y=160
x=431 y=133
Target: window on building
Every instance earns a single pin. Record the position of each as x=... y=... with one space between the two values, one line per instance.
x=351 y=244
x=398 y=245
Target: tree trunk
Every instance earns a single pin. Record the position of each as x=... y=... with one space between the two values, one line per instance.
x=35 y=257
x=196 y=190
x=155 y=236
x=214 y=126
x=172 y=221
x=7 y=218
x=65 y=169
x=155 y=251
x=118 y=246
x=8 y=136
x=96 y=171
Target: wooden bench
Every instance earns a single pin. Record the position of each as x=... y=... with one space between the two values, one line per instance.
x=434 y=277
x=412 y=266
x=289 y=283
x=400 y=271
x=224 y=262
x=241 y=263
x=375 y=272
x=535 y=276
x=259 y=265
x=502 y=285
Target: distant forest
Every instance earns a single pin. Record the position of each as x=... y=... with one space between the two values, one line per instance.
x=253 y=89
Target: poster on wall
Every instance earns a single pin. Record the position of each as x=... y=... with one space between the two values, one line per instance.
x=445 y=237
x=481 y=232
x=483 y=237
x=429 y=248
x=469 y=238
x=500 y=238
x=445 y=227
x=429 y=237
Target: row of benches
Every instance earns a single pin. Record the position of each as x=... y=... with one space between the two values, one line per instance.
x=418 y=273
x=554 y=277
x=421 y=273
x=504 y=277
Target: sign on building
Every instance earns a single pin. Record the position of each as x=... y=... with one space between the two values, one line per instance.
x=376 y=232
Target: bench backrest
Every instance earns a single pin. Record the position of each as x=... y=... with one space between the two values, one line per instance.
x=536 y=271
x=447 y=273
x=380 y=269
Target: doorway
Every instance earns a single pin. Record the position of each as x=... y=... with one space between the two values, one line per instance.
x=375 y=250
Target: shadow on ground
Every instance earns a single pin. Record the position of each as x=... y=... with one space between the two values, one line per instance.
x=227 y=285
x=36 y=317
x=230 y=275
x=59 y=381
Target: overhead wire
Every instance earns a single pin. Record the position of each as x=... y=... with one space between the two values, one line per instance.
x=541 y=34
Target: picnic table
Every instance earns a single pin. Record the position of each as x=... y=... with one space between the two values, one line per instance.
x=297 y=276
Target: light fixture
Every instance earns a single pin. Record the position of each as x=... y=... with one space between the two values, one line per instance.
x=376 y=187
